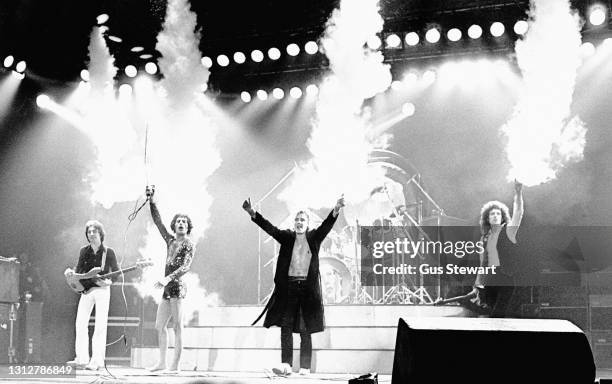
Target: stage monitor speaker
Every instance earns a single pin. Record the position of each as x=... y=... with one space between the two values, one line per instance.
x=9 y=280
x=483 y=350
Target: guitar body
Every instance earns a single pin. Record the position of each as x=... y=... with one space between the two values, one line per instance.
x=74 y=280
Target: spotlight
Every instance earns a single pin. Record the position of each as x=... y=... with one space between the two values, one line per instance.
x=115 y=39
x=312 y=89
x=278 y=93
x=8 y=61
x=274 y=53
x=454 y=34
x=223 y=60
x=262 y=95
x=101 y=19
x=474 y=31
x=311 y=47
x=412 y=39
x=597 y=15
x=587 y=49
x=408 y=109
x=137 y=49
x=410 y=78
x=520 y=27
x=374 y=42
x=396 y=85
x=85 y=75
x=131 y=71
x=497 y=29
x=433 y=35
x=295 y=92
x=257 y=56
x=239 y=57
x=21 y=67
x=245 y=96
x=43 y=101
x=146 y=56
x=207 y=61
x=151 y=68
x=429 y=77
x=393 y=41
x=125 y=90
x=293 y=49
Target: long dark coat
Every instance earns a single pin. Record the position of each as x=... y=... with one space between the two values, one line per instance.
x=312 y=307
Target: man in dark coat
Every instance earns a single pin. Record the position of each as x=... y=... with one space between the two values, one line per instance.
x=296 y=304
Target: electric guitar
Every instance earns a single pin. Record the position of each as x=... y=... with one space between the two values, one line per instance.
x=74 y=279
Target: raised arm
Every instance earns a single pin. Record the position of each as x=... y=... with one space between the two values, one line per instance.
x=150 y=192
x=264 y=224
x=329 y=221
x=517 y=212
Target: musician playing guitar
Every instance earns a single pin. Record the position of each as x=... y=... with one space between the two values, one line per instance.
x=95 y=258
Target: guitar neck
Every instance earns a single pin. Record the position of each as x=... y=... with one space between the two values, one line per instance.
x=115 y=273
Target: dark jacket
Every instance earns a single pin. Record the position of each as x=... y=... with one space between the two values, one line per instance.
x=312 y=308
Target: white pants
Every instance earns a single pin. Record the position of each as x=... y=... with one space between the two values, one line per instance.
x=100 y=297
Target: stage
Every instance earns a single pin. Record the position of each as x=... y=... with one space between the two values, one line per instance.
x=137 y=376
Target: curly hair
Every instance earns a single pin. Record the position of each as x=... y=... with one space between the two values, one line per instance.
x=98 y=226
x=486 y=209
x=175 y=218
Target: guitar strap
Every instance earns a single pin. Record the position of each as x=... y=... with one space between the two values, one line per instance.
x=103 y=260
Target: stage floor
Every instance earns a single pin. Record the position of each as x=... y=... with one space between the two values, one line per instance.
x=141 y=376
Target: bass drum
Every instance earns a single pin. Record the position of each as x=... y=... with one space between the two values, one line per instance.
x=336 y=280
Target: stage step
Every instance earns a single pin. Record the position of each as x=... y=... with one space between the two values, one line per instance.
x=335 y=315
x=357 y=339
x=258 y=359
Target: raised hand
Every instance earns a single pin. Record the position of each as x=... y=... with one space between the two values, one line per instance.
x=150 y=192
x=518 y=187
x=246 y=205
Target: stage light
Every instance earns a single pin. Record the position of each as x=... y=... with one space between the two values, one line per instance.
x=151 y=68
x=262 y=95
x=137 y=49
x=412 y=39
x=131 y=71
x=274 y=53
x=408 y=109
x=101 y=19
x=115 y=39
x=8 y=61
x=374 y=42
x=207 y=61
x=587 y=49
x=474 y=31
x=257 y=56
x=312 y=90
x=146 y=56
x=278 y=93
x=293 y=49
x=393 y=41
x=21 y=67
x=245 y=96
x=43 y=101
x=597 y=15
x=85 y=75
x=433 y=35
x=429 y=77
x=223 y=60
x=497 y=29
x=239 y=57
x=295 y=92
x=125 y=90
x=454 y=34
x=311 y=47
x=410 y=78
x=103 y=29
x=396 y=85
x=520 y=27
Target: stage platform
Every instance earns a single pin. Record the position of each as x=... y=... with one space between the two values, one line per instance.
x=122 y=375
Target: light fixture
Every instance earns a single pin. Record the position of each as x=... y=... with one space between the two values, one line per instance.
x=239 y=57
x=412 y=39
x=474 y=31
x=293 y=49
x=311 y=47
x=131 y=71
x=207 y=61
x=151 y=68
x=454 y=34
x=432 y=36
x=257 y=56
x=245 y=96
x=223 y=60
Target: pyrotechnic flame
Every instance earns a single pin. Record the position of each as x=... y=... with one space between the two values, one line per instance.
x=339 y=142
x=542 y=136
